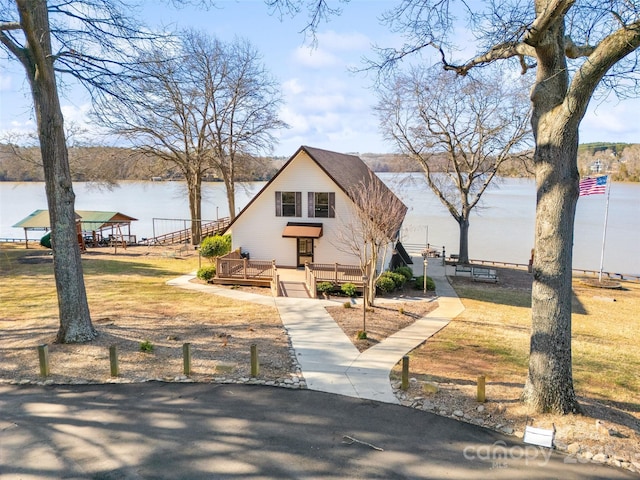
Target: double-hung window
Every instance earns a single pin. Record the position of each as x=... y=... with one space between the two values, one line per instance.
x=322 y=204
x=288 y=204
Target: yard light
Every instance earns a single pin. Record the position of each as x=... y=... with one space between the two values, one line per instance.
x=424 y=272
x=364 y=303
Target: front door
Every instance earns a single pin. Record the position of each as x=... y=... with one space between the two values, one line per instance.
x=305 y=251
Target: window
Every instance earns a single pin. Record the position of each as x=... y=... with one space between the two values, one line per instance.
x=322 y=204
x=288 y=204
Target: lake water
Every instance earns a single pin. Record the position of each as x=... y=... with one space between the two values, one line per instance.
x=501 y=228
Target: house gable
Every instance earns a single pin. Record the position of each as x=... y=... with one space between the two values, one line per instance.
x=312 y=187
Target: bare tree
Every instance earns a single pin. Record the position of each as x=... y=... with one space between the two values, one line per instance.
x=473 y=126
x=245 y=114
x=578 y=48
x=202 y=106
x=82 y=39
x=372 y=228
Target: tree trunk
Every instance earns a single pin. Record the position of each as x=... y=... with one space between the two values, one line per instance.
x=549 y=385
x=231 y=196
x=194 y=185
x=463 y=248
x=75 y=320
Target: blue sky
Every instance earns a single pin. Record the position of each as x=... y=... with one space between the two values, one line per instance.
x=326 y=104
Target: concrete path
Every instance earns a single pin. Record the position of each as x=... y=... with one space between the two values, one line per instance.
x=328 y=359
x=369 y=373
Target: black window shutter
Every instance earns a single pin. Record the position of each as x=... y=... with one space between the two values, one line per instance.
x=278 y=204
x=312 y=205
x=332 y=204
x=298 y=204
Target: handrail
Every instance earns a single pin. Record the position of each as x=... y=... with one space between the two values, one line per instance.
x=610 y=275
x=183 y=235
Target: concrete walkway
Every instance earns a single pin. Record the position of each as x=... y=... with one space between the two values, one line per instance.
x=329 y=361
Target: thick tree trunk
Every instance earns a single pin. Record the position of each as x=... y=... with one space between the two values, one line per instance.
x=463 y=247
x=549 y=385
x=75 y=320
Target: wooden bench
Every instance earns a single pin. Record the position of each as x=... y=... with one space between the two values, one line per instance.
x=460 y=268
x=484 y=274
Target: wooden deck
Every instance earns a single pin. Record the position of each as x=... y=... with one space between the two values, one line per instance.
x=233 y=269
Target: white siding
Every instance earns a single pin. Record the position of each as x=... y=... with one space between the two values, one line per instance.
x=258 y=230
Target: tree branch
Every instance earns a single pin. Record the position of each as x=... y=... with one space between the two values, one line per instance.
x=609 y=51
x=498 y=52
x=555 y=11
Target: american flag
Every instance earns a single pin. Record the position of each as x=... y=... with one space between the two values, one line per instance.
x=593 y=185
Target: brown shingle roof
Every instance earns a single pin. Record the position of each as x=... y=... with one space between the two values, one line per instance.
x=347 y=171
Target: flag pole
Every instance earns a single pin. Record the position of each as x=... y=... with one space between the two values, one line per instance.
x=604 y=233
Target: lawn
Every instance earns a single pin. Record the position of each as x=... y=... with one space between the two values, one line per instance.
x=491 y=338
x=130 y=303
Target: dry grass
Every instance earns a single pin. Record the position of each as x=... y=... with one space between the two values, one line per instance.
x=491 y=338
x=382 y=321
x=130 y=303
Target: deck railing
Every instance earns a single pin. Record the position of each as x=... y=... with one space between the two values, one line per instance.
x=233 y=265
x=336 y=273
x=184 y=235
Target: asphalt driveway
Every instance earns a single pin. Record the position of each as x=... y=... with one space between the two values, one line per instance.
x=213 y=431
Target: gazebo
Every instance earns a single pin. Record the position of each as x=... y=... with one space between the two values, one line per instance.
x=94 y=227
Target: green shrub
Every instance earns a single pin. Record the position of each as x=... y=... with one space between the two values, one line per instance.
x=146 y=346
x=324 y=287
x=349 y=289
x=405 y=271
x=385 y=284
x=346 y=304
x=419 y=283
x=207 y=272
x=361 y=335
x=397 y=278
x=215 y=246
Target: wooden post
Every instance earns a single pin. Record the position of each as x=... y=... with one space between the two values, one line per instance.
x=405 y=372
x=481 y=389
x=254 y=360
x=43 y=355
x=113 y=360
x=186 y=354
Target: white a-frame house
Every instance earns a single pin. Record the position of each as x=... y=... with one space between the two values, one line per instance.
x=295 y=219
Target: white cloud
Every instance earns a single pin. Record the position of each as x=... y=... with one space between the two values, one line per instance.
x=293 y=87
x=298 y=122
x=333 y=49
x=352 y=41
x=18 y=131
x=76 y=114
x=5 y=82
x=315 y=58
x=611 y=121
